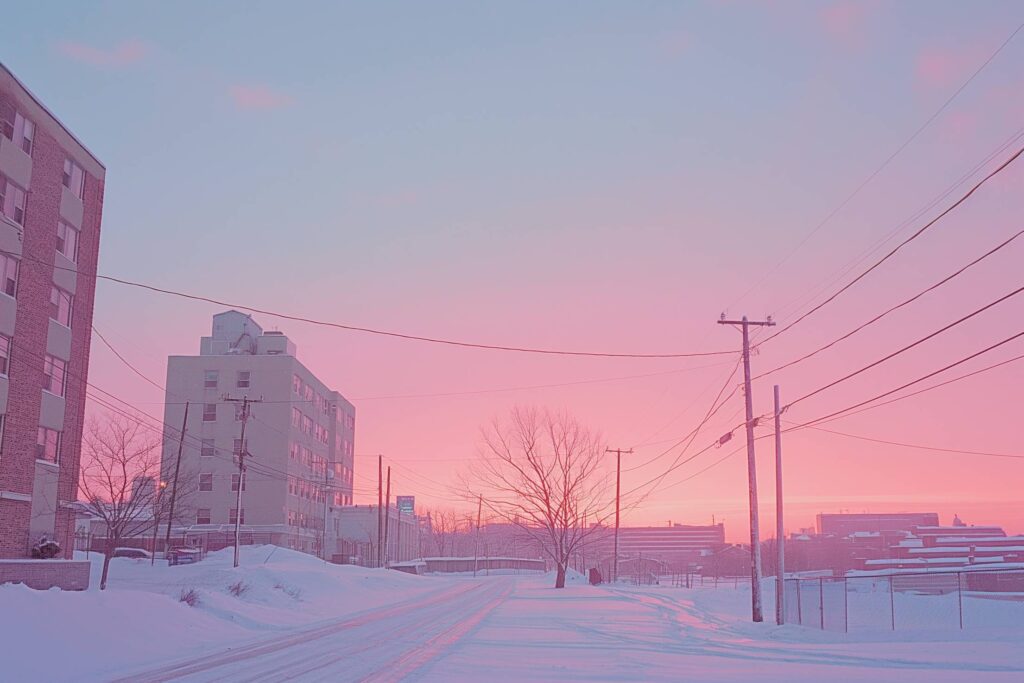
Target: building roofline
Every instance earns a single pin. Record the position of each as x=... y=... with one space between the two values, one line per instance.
x=52 y=115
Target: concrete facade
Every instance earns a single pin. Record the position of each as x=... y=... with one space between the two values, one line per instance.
x=299 y=439
x=52 y=201
x=359 y=524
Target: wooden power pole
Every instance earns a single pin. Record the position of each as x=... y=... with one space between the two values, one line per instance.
x=618 y=488
x=174 y=483
x=755 y=535
x=380 y=510
x=246 y=402
x=476 y=540
x=780 y=535
x=387 y=517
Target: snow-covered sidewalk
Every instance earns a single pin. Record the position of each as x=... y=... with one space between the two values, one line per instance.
x=140 y=619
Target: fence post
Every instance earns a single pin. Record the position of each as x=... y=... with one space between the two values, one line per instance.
x=821 y=601
x=892 y=604
x=799 y=604
x=846 y=605
x=960 y=597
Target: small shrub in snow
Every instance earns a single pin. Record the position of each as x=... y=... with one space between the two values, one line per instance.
x=45 y=548
x=291 y=591
x=239 y=588
x=190 y=597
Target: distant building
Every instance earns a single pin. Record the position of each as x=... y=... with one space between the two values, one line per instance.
x=298 y=440
x=845 y=524
x=676 y=545
x=51 y=201
x=358 y=535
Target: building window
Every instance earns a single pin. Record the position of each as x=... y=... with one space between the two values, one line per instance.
x=296 y=418
x=47 y=444
x=12 y=201
x=5 y=354
x=308 y=393
x=237 y=447
x=234 y=514
x=20 y=131
x=210 y=379
x=54 y=373
x=208 y=449
x=307 y=425
x=209 y=412
x=206 y=482
x=74 y=178
x=9 y=275
x=234 y=485
x=297 y=385
x=60 y=306
x=67 y=241
x=239 y=412
x=202 y=515
x=242 y=381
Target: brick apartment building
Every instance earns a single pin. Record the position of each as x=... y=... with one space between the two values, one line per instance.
x=51 y=200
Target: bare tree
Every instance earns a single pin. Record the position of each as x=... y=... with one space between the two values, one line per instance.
x=444 y=525
x=120 y=482
x=541 y=471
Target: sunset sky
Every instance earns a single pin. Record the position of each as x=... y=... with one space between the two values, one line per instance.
x=585 y=176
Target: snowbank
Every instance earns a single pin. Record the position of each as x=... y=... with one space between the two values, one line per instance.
x=140 y=618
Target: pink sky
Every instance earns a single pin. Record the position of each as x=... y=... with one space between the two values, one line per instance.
x=609 y=182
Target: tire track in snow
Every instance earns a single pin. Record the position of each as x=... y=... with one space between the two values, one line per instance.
x=268 y=646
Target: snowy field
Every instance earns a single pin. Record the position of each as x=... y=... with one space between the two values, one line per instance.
x=299 y=619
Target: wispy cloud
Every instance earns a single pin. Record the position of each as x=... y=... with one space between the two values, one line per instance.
x=127 y=52
x=258 y=97
x=937 y=67
x=845 y=20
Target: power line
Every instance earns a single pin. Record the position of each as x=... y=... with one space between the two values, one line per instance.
x=893 y=308
x=918 y=446
x=932 y=387
x=477 y=392
x=907 y=347
x=715 y=406
x=908 y=384
x=902 y=244
x=931 y=119
x=841 y=273
x=370 y=330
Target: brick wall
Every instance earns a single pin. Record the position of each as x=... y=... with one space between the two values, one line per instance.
x=17 y=460
x=46 y=574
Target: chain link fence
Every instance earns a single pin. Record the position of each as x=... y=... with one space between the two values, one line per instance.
x=907 y=600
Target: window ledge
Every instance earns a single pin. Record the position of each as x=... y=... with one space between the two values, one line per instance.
x=54 y=465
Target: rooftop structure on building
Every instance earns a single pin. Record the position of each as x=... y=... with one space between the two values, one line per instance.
x=299 y=436
x=51 y=203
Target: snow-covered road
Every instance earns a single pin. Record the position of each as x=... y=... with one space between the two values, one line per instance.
x=519 y=629
x=385 y=645
x=301 y=619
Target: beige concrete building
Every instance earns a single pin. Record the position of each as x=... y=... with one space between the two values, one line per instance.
x=299 y=439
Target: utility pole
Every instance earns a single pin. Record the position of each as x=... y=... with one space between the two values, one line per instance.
x=380 y=510
x=476 y=540
x=618 y=487
x=246 y=402
x=174 y=486
x=755 y=535
x=328 y=474
x=398 y=538
x=387 y=517
x=161 y=485
x=780 y=536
